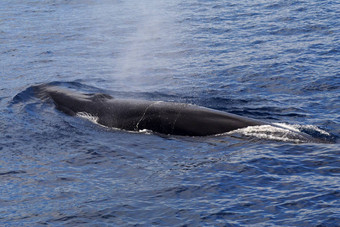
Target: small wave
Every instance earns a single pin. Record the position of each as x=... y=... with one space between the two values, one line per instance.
x=285 y=133
x=304 y=128
x=23 y=96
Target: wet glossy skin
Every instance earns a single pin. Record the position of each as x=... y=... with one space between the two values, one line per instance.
x=157 y=116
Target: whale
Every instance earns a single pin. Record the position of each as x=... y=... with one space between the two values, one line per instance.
x=170 y=118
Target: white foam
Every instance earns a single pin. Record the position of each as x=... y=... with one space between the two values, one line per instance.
x=281 y=132
x=277 y=132
x=145 y=131
x=287 y=126
x=264 y=132
x=301 y=128
x=312 y=128
x=88 y=116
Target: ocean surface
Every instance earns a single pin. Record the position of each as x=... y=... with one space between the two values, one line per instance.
x=277 y=61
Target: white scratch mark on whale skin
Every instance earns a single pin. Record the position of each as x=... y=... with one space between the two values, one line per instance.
x=146 y=109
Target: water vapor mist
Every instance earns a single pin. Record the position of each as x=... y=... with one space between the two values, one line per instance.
x=144 y=49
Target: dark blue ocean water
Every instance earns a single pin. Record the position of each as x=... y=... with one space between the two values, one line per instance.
x=276 y=61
